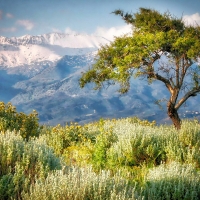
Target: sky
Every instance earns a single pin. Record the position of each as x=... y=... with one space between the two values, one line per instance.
x=36 y=17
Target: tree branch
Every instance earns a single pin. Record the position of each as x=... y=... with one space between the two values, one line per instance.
x=185 y=67
x=187 y=95
x=165 y=81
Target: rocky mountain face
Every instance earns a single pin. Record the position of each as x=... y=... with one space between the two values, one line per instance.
x=42 y=73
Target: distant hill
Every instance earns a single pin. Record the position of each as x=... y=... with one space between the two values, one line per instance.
x=42 y=73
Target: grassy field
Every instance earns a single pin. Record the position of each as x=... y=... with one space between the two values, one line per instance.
x=116 y=159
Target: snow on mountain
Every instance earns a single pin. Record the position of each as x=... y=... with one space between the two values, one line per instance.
x=61 y=39
x=26 y=50
x=74 y=41
x=21 y=55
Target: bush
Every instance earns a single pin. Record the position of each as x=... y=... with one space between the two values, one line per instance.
x=81 y=184
x=103 y=143
x=183 y=146
x=21 y=163
x=108 y=159
x=172 y=182
x=137 y=145
x=10 y=119
x=73 y=142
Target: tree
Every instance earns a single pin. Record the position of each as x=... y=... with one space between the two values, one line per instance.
x=160 y=48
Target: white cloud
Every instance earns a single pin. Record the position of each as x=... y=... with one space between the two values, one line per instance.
x=9 y=15
x=110 y=33
x=107 y=33
x=26 y=23
x=55 y=30
x=12 y=29
x=193 y=20
x=70 y=31
x=100 y=36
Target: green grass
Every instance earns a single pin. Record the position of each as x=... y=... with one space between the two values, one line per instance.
x=109 y=159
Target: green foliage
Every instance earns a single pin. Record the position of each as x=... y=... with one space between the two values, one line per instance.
x=63 y=139
x=108 y=159
x=10 y=119
x=81 y=184
x=160 y=48
x=151 y=20
x=103 y=143
x=137 y=145
x=154 y=34
x=185 y=146
x=21 y=163
x=174 y=181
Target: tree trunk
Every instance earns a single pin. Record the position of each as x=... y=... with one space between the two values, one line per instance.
x=173 y=114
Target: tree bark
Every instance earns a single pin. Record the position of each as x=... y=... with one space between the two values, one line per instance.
x=173 y=114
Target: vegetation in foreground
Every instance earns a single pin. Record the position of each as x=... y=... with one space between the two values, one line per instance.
x=110 y=159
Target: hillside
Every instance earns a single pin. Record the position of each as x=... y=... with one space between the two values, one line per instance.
x=42 y=73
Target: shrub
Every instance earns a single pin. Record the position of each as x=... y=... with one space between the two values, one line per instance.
x=103 y=143
x=172 y=182
x=134 y=160
x=21 y=163
x=73 y=142
x=80 y=184
x=183 y=146
x=137 y=145
x=10 y=119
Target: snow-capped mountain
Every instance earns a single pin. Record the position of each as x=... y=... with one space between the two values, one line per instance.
x=42 y=73
x=28 y=50
x=60 y=39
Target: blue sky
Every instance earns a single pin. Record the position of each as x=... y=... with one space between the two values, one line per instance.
x=35 y=17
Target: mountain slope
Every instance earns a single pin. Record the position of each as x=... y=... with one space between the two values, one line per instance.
x=29 y=50
x=42 y=73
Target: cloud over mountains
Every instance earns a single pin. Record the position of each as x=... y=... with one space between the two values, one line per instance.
x=27 y=24
x=192 y=20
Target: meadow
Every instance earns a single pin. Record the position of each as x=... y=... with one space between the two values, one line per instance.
x=114 y=159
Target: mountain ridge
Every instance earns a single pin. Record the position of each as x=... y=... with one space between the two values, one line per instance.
x=56 y=39
x=45 y=77
x=29 y=50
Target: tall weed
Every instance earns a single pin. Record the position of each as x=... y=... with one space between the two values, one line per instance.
x=21 y=163
x=79 y=184
x=172 y=182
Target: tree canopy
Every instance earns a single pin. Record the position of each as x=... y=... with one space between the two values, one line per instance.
x=160 y=48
